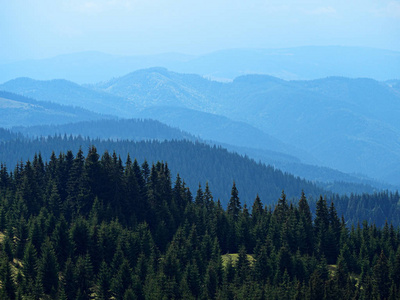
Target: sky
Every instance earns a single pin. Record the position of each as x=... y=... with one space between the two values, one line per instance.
x=34 y=29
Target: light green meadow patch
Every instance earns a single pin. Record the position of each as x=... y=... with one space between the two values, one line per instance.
x=233 y=257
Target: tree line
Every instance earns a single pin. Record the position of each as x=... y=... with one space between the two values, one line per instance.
x=198 y=162
x=195 y=161
x=93 y=227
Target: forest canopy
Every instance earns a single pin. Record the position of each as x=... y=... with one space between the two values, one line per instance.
x=85 y=227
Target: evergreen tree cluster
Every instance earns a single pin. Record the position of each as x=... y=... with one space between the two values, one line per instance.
x=377 y=207
x=195 y=161
x=198 y=162
x=93 y=227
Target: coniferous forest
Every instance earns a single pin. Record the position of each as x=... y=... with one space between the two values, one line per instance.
x=95 y=226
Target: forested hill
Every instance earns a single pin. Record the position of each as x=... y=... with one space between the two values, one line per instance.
x=341 y=122
x=91 y=227
x=333 y=122
x=123 y=129
x=200 y=164
x=8 y=135
x=196 y=162
x=211 y=131
x=68 y=93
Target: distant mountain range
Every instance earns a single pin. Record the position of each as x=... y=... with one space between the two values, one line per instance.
x=110 y=129
x=17 y=110
x=150 y=130
x=346 y=124
x=339 y=124
x=68 y=93
x=290 y=63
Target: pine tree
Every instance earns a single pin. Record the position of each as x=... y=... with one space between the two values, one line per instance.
x=243 y=230
x=342 y=273
x=262 y=268
x=257 y=210
x=281 y=209
x=191 y=280
x=80 y=236
x=234 y=205
x=129 y=295
x=199 y=199
x=103 y=282
x=306 y=228
x=321 y=227
x=333 y=235
x=70 y=280
x=54 y=202
x=7 y=247
x=316 y=286
x=61 y=241
x=242 y=267
x=229 y=272
x=208 y=198
x=381 y=280
x=210 y=281
x=30 y=264
x=8 y=289
x=48 y=269
x=396 y=270
x=284 y=262
x=178 y=193
x=122 y=280
x=84 y=277
x=22 y=233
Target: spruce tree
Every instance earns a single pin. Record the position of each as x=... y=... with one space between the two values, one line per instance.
x=321 y=226
x=381 y=280
x=281 y=209
x=48 y=269
x=234 y=205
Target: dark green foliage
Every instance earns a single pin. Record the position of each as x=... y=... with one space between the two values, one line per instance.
x=98 y=229
x=8 y=288
x=234 y=205
x=381 y=280
x=212 y=164
x=48 y=269
x=84 y=277
x=69 y=280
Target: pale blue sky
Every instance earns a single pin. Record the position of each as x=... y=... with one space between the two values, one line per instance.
x=45 y=28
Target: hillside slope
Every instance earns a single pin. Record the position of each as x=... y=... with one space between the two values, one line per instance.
x=17 y=110
x=341 y=122
x=68 y=93
x=146 y=130
x=196 y=162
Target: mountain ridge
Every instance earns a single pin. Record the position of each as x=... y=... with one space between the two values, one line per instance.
x=310 y=115
x=148 y=130
x=298 y=113
x=289 y=63
x=19 y=110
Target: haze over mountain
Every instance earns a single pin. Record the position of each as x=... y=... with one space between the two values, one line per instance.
x=162 y=106
x=341 y=122
x=198 y=162
x=68 y=93
x=298 y=63
x=329 y=122
x=16 y=110
x=200 y=149
x=150 y=130
x=111 y=129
